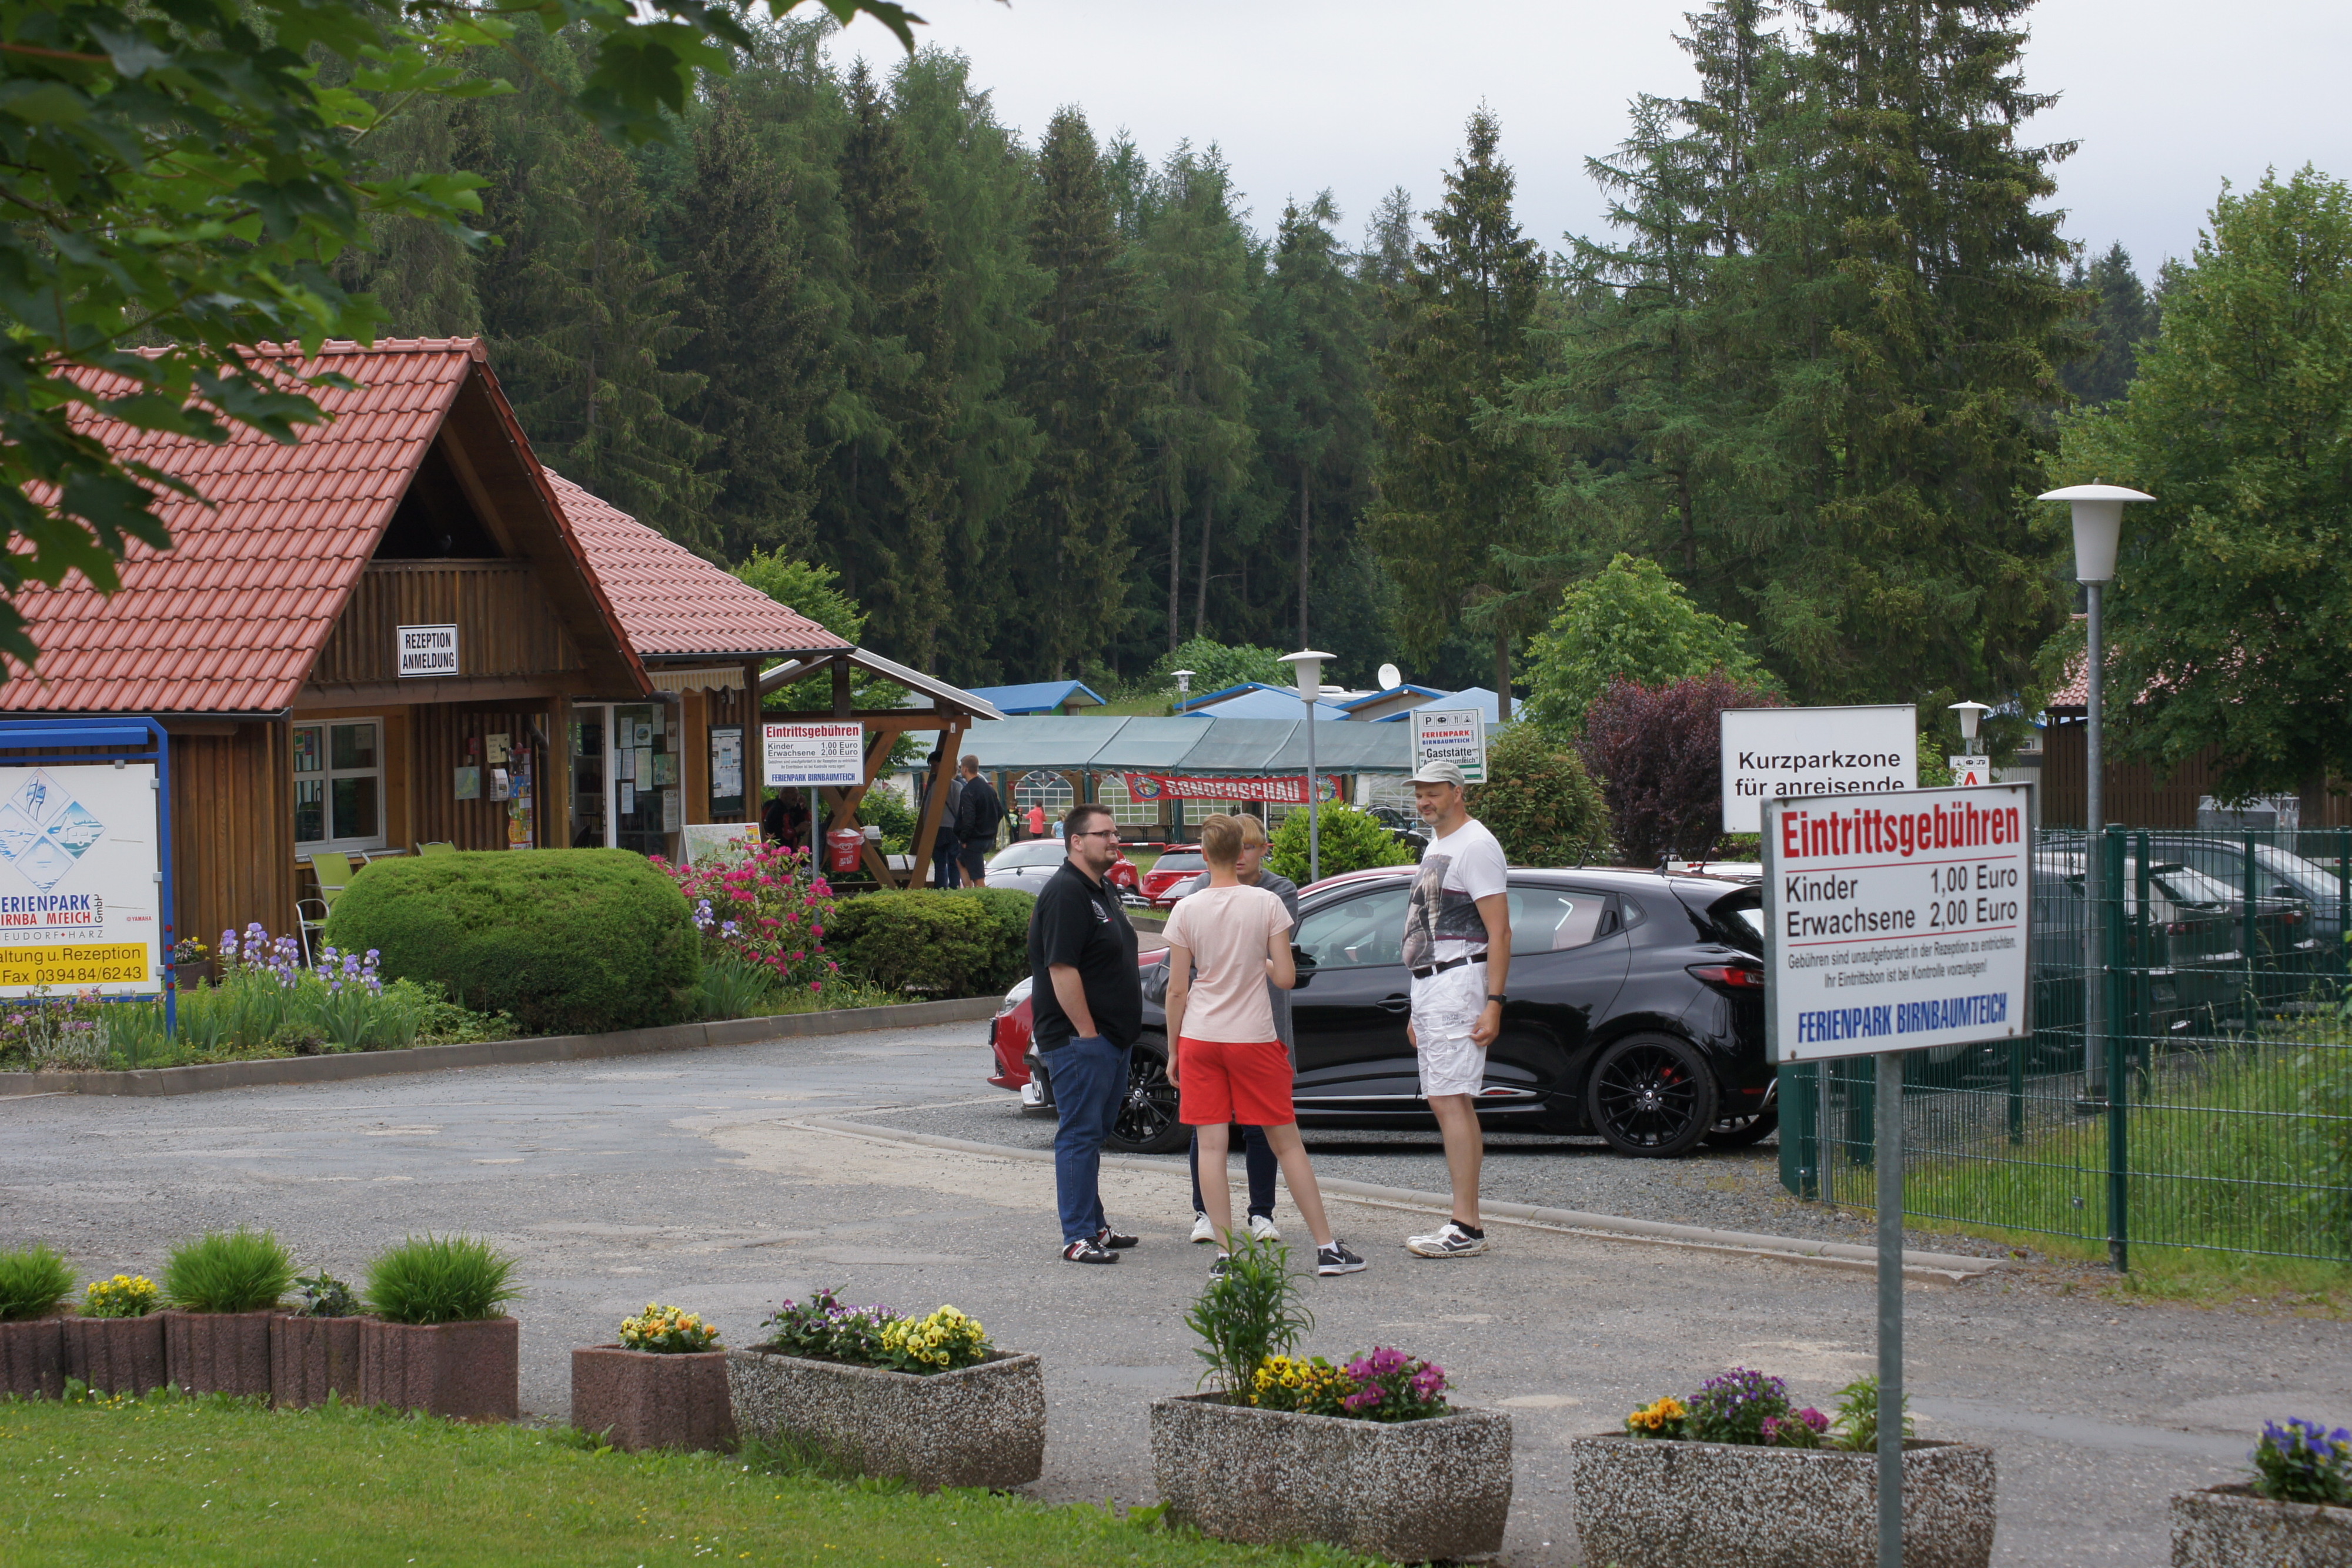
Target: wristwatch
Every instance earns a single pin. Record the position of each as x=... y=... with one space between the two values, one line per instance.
x=1496 y=997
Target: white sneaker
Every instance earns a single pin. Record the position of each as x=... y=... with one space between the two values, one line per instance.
x=1262 y=1227
x=1449 y=1240
x=1201 y=1229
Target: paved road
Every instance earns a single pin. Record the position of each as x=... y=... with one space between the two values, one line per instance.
x=684 y=1179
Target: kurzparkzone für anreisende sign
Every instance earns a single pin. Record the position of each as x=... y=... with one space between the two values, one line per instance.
x=1896 y=921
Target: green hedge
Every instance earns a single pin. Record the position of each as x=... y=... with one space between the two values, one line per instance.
x=568 y=941
x=971 y=942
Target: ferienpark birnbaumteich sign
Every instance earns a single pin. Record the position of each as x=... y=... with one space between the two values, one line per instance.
x=80 y=887
x=1898 y=921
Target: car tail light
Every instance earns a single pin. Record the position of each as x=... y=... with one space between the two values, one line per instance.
x=2292 y=917
x=2178 y=928
x=1729 y=977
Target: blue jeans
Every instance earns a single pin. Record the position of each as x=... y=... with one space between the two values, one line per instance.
x=1257 y=1158
x=944 y=863
x=1090 y=1081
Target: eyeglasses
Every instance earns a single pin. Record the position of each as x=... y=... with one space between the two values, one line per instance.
x=1098 y=833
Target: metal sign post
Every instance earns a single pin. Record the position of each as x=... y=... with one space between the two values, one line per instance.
x=1894 y=921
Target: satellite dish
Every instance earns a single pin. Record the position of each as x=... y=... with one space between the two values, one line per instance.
x=1391 y=677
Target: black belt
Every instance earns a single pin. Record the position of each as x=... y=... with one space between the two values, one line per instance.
x=1449 y=963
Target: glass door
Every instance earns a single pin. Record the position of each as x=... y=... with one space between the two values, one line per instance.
x=590 y=822
x=644 y=778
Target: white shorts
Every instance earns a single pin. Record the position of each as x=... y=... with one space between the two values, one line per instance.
x=1445 y=1006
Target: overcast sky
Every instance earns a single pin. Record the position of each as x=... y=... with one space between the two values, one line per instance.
x=2168 y=98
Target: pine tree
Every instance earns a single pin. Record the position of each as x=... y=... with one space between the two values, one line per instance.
x=1314 y=412
x=1085 y=388
x=2120 y=318
x=1457 y=479
x=1196 y=260
x=589 y=325
x=882 y=516
x=758 y=338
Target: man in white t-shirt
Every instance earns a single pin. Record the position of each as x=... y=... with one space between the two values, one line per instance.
x=1457 y=949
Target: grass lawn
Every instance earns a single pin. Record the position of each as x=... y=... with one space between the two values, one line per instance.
x=199 y=1482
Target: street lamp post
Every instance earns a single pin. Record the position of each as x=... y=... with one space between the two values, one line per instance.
x=1972 y=714
x=2098 y=518
x=1307 y=666
x=1183 y=688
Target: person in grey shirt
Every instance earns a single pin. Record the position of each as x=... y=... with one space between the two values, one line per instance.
x=1257 y=1157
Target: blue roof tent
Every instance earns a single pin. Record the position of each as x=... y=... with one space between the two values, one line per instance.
x=1270 y=701
x=1395 y=700
x=1478 y=697
x=1218 y=699
x=1111 y=744
x=1039 y=696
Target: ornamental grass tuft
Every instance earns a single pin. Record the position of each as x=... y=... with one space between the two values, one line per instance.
x=440 y=1279
x=33 y=1280
x=236 y=1270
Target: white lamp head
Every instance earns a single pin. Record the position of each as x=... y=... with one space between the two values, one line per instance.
x=1970 y=713
x=2098 y=526
x=1306 y=666
x=1184 y=680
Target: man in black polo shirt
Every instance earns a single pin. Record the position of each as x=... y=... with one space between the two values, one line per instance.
x=1085 y=1010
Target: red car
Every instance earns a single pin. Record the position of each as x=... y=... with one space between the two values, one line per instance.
x=1178 y=865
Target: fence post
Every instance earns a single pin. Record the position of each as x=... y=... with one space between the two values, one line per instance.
x=2017 y=1049
x=2116 y=1053
x=2343 y=900
x=1800 y=1131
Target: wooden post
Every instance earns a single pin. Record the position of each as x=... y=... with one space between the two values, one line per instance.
x=694 y=764
x=935 y=800
x=841 y=703
x=555 y=786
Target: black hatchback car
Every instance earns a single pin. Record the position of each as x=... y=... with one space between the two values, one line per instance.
x=1636 y=1012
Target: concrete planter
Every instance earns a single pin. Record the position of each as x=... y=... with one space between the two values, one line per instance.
x=218 y=1352
x=2230 y=1527
x=116 y=1355
x=467 y=1370
x=981 y=1427
x=1410 y=1491
x=652 y=1399
x=311 y=1357
x=1652 y=1504
x=32 y=1358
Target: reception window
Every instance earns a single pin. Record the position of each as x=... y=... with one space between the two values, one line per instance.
x=338 y=785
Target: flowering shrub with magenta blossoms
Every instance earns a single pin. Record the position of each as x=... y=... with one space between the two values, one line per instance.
x=770 y=907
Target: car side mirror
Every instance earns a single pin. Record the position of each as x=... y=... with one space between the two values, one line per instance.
x=1304 y=962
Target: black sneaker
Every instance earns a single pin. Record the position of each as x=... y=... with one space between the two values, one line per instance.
x=1222 y=1266
x=1335 y=1259
x=1111 y=1239
x=1085 y=1249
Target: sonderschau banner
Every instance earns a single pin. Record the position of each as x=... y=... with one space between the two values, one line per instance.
x=1278 y=789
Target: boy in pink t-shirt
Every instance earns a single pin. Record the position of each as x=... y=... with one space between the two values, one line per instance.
x=1224 y=943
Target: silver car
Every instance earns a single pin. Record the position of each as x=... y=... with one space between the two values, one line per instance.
x=1029 y=865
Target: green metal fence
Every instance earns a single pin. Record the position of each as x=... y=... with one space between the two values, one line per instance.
x=2215 y=1110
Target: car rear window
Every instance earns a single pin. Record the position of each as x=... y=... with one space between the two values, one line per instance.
x=1736 y=920
x=1180 y=860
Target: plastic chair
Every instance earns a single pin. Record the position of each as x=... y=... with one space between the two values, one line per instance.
x=437 y=847
x=334 y=872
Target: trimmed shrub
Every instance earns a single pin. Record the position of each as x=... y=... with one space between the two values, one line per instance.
x=567 y=940
x=925 y=942
x=33 y=1282
x=440 y=1279
x=1345 y=840
x=1539 y=802
x=236 y=1270
x=1010 y=910
x=1658 y=752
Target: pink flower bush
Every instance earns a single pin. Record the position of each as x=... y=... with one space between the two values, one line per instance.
x=770 y=908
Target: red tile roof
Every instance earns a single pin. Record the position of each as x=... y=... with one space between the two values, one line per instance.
x=671 y=600
x=231 y=618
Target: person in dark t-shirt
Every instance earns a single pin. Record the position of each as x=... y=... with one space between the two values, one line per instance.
x=1085 y=1010
x=978 y=810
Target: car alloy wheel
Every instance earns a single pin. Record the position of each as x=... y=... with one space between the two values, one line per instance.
x=1147 y=1123
x=1653 y=1096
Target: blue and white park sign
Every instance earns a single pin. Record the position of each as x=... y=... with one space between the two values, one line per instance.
x=80 y=883
x=1896 y=921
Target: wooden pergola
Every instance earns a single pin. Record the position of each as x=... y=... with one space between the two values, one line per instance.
x=951 y=713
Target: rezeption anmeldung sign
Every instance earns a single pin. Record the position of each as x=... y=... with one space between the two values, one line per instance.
x=1896 y=921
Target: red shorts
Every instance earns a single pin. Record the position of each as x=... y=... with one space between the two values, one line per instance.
x=1223 y=1081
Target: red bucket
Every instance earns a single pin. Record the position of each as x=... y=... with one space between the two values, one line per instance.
x=843 y=849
